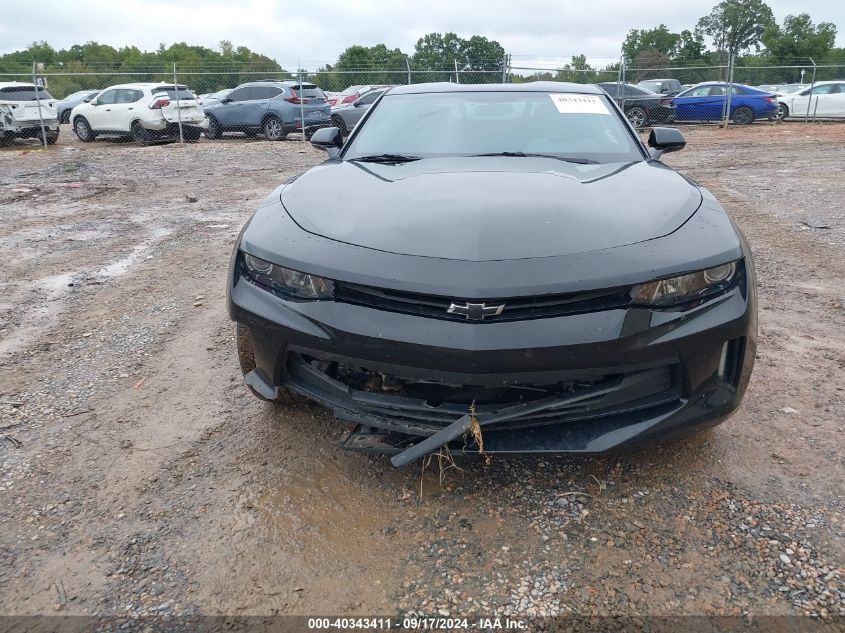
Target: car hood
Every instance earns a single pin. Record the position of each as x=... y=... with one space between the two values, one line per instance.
x=484 y=209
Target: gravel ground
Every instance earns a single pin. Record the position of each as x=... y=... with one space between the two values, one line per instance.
x=138 y=477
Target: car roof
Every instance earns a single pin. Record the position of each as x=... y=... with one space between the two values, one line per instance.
x=137 y=85
x=264 y=82
x=22 y=84
x=532 y=86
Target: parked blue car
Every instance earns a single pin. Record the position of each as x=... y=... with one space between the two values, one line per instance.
x=707 y=102
x=273 y=108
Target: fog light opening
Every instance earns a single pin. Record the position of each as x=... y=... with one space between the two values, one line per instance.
x=730 y=362
x=723 y=361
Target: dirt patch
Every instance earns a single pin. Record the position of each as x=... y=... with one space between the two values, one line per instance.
x=145 y=480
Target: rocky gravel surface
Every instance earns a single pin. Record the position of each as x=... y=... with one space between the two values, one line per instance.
x=141 y=483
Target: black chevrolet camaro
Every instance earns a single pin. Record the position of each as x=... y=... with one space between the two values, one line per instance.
x=496 y=268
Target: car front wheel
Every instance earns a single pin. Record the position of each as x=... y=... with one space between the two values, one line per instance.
x=83 y=130
x=783 y=111
x=273 y=128
x=214 y=129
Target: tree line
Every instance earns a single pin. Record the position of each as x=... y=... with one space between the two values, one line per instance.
x=745 y=29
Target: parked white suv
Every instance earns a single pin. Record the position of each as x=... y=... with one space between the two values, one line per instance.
x=145 y=111
x=19 y=112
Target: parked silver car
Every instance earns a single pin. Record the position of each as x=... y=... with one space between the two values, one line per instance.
x=67 y=104
x=346 y=116
x=273 y=108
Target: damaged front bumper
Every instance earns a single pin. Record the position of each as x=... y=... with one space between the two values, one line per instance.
x=581 y=383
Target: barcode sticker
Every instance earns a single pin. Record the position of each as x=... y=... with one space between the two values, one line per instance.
x=571 y=103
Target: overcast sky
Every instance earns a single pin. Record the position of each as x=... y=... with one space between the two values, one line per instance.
x=313 y=32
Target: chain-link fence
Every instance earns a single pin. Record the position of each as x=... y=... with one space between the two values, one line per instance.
x=185 y=103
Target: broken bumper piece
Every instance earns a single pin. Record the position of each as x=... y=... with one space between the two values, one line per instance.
x=583 y=416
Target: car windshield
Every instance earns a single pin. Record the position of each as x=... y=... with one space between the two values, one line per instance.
x=351 y=90
x=563 y=125
x=23 y=93
x=653 y=86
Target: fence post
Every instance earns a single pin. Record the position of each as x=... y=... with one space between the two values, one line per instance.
x=38 y=102
x=408 y=66
x=729 y=91
x=301 y=103
x=810 y=96
x=457 y=78
x=504 y=68
x=178 y=109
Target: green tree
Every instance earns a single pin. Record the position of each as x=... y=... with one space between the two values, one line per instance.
x=690 y=47
x=577 y=71
x=737 y=25
x=659 y=39
x=798 y=39
x=443 y=51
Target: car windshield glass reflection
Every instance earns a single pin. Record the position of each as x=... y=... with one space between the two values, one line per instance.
x=495 y=123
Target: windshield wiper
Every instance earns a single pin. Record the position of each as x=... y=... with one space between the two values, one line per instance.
x=386 y=158
x=579 y=161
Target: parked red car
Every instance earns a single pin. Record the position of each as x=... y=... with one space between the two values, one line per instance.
x=351 y=94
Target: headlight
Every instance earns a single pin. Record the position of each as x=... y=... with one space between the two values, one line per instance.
x=287 y=281
x=685 y=288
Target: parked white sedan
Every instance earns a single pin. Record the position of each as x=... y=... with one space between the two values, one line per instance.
x=145 y=111
x=826 y=99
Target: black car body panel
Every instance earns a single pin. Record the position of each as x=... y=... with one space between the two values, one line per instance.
x=570 y=364
x=658 y=108
x=459 y=224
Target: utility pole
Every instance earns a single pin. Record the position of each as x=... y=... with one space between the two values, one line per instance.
x=408 y=66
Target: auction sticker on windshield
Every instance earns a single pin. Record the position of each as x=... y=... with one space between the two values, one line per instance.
x=571 y=103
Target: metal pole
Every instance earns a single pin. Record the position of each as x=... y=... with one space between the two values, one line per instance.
x=457 y=78
x=810 y=96
x=408 y=66
x=729 y=90
x=301 y=104
x=178 y=109
x=38 y=101
x=504 y=68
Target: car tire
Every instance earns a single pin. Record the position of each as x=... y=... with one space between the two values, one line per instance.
x=191 y=134
x=783 y=112
x=83 y=130
x=636 y=116
x=65 y=117
x=214 y=129
x=274 y=129
x=52 y=138
x=743 y=116
x=140 y=134
x=340 y=124
x=246 y=359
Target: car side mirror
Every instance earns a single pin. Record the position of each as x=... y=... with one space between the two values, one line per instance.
x=225 y=100
x=665 y=139
x=94 y=102
x=328 y=139
x=86 y=101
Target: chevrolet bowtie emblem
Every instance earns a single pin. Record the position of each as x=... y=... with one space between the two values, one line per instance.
x=476 y=311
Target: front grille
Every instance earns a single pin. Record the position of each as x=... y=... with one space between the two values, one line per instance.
x=516 y=308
